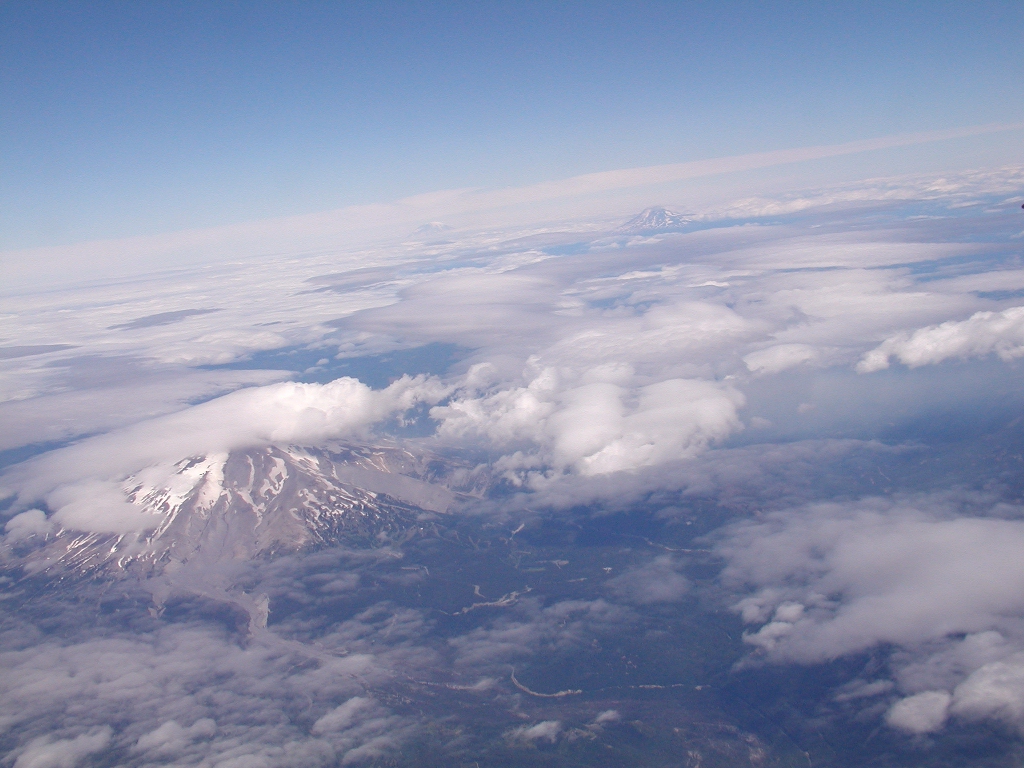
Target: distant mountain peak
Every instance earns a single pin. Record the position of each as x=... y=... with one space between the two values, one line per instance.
x=651 y=221
x=433 y=228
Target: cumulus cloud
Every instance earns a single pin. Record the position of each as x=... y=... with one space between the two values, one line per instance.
x=342 y=716
x=833 y=579
x=779 y=358
x=594 y=428
x=29 y=524
x=186 y=694
x=994 y=690
x=548 y=731
x=981 y=334
x=364 y=728
x=672 y=330
x=658 y=581
x=921 y=713
x=607 y=716
x=63 y=753
x=170 y=738
x=830 y=580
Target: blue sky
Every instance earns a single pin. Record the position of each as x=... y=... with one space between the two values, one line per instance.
x=121 y=119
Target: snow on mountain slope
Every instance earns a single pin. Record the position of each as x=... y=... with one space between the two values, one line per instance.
x=654 y=220
x=257 y=503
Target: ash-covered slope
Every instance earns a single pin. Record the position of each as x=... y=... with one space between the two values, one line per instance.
x=261 y=502
x=652 y=221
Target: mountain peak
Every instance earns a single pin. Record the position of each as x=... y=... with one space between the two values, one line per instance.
x=433 y=228
x=260 y=502
x=655 y=220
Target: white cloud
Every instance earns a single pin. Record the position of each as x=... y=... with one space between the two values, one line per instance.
x=994 y=690
x=657 y=581
x=548 y=731
x=60 y=413
x=341 y=717
x=29 y=524
x=921 y=713
x=269 y=701
x=607 y=716
x=873 y=572
x=283 y=413
x=981 y=334
x=671 y=330
x=830 y=580
x=98 y=506
x=779 y=358
x=63 y=753
x=171 y=739
x=598 y=427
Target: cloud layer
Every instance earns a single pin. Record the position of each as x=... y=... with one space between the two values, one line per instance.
x=684 y=378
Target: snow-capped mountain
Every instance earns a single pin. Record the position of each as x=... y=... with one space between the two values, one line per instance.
x=652 y=221
x=261 y=502
x=433 y=228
